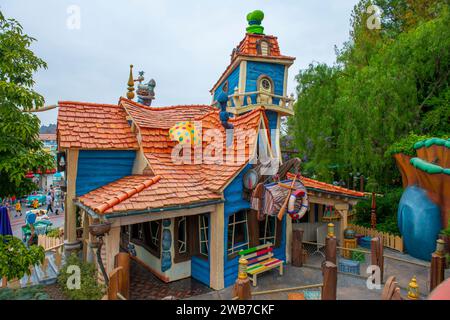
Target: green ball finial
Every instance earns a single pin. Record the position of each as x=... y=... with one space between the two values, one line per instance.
x=254 y=19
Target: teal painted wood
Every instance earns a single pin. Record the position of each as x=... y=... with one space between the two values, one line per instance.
x=97 y=168
x=272 y=70
x=200 y=270
x=200 y=267
x=233 y=82
x=233 y=203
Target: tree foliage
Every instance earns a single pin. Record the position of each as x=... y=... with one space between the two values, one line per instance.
x=20 y=148
x=386 y=83
x=16 y=259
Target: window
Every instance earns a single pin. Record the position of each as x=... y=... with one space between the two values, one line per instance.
x=237 y=232
x=147 y=235
x=155 y=227
x=181 y=240
x=268 y=230
x=264 y=48
x=265 y=84
x=203 y=231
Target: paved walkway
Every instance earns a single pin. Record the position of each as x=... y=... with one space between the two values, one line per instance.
x=17 y=223
x=146 y=286
x=349 y=287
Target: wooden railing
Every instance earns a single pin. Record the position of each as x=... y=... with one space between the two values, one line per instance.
x=389 y=240
x=239 y=99
x=49 y=242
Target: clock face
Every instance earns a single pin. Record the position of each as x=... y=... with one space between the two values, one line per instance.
x=250 y=179
x=266 y=85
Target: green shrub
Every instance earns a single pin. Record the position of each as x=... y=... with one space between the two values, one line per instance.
x=30 y=293
x=387 y=207
x=16 y=259
x=446 y=231
x=90 y=289
x=54 y=233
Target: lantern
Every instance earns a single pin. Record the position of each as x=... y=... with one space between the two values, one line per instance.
x=330 y=230
x=413 y=289
x=185 y=132
x=242 y=269
x=440 y=247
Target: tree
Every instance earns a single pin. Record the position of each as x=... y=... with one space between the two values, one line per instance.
x=16 y=259
x=385 y=84
x=20 y=148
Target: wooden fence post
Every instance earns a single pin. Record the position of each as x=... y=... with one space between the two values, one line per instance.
x=242 y=289
x=297 y=248
x=329 y=271
x=330 y=244
x=437 y=270
x=377 y=258
x=122 y=260
x=114 y=281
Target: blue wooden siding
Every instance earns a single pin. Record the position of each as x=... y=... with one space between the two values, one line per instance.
x=97 y=168
x=273 y=70
x=233 y=82
x=233 y=203
x=200 y=267
x=272 y=117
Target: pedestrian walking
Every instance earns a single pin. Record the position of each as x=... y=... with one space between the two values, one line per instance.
x=18 y=209
x=49 y=201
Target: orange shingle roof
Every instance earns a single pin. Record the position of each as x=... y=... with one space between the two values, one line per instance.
x=328 y=188
x=248 y=48
x=149 y=193
x=163 y=117
x=93 y=126
x=170 y=183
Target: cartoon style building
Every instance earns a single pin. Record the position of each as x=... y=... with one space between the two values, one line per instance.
x=185 y=219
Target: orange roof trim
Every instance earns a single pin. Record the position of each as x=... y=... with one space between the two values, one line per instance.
x=326 y=187
x=125 y=194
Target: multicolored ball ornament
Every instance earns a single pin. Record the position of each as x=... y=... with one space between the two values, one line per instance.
x=185 y=132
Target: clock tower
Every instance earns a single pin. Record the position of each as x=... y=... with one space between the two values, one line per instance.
x=257 y=77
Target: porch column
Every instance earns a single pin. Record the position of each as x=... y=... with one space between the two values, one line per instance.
x=288 y=238
x=216 y=248
x=343 y=210
x=85 y=234
x=70 y=221
x=112 y=243
x=90 y=254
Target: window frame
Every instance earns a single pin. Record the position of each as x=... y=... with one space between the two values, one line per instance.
x=259 y=84
x=265 y=238
x=203 y=230
x=146 y=238
x=182 y=256
x=233 y=251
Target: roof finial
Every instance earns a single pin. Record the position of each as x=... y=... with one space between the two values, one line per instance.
x=130 y=93
x=254 y=19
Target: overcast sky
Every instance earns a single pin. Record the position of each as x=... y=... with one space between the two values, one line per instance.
x=184 y=45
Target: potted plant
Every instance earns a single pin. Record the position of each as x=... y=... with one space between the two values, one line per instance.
x=16 y=259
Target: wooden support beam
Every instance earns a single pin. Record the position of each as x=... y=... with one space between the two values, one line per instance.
x=330 y=249
x=437 y=270
x=329 y=271
x=297 y=248
x=122 y=260
x=377 y=258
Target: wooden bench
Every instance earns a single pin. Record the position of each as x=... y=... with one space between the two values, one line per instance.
x=260 y=259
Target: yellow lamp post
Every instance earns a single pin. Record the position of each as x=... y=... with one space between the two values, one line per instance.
x=330 y=230
x=413 y=289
